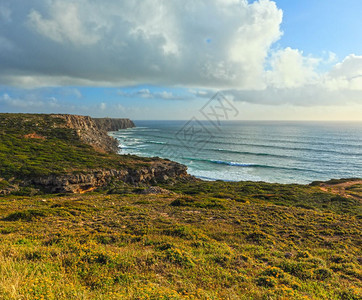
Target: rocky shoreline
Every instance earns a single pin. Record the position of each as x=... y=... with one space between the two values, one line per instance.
x=93 y=131
x=157 y=172
x=76 y=131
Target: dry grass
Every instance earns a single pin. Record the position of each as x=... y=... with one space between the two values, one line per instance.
x=132 y=246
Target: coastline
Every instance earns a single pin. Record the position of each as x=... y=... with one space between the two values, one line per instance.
x=83 y=221
x=297 y=153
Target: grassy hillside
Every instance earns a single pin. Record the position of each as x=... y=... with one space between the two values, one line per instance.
x=196 y=243
x=34 y=146
x=192 y=240
x=39 y=145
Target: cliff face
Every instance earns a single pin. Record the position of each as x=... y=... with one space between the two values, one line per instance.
x=93 y=131
x=47 y=152
x=108 y=124
x=157 y=172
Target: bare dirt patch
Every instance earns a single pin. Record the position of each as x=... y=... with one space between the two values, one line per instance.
x=34 y=136
x=344 y=189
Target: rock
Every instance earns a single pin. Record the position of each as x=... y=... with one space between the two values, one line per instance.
x=93 y=131
x=110 y=124
x=156 y=172
x=8 y=190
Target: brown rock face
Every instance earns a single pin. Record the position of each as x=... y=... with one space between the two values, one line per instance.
x=156 y=172
x=94 y=131
x=8 y=189
x=108 y=124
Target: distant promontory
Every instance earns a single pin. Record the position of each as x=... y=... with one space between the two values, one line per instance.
x=93 y=131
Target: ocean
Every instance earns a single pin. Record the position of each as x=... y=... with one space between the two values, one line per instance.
x=270 y=151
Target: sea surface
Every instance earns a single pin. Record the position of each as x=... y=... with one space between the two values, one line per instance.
x=284 y=152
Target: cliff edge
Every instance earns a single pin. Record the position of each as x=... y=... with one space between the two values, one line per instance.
x=93 y=131
x=110 y=124
x=71 y=153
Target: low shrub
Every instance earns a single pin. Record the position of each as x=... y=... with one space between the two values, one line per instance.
x=26 y=215
x=274 y=272
x=266 y=281
x=323 y=273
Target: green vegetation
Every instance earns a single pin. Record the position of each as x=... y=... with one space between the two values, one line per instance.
x=202 y=240
x=36 y=145
x=179 y=246
x=303 y=196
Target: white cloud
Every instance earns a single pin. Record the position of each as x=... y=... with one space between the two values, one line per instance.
x=203 y=43
x=290 y=69
x=29 y=102
x=144 y=93
x=147 y=94
x=351 y=66
x=120 y=107
x=64 y=25
x=293 y=78
x=346 y=75
x=167 y=95
x=332 y=57
x=73 y=92
x=103 y=106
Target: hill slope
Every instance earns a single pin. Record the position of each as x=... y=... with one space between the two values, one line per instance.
x=180 y=238
x=66 y=153
x=178 y=246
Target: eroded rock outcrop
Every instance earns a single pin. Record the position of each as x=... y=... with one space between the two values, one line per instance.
x=110 y=124
x=7 y=188
x=94 y=170
x=157 y=172
x=93 y=131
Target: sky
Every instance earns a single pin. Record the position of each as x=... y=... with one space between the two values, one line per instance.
x=162 y=59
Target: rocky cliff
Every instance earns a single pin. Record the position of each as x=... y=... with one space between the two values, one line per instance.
x=49 y=152
x=93 y=131
x=156 y=172
x=109 y=124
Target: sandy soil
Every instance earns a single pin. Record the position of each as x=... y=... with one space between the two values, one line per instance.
x=340 y=189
